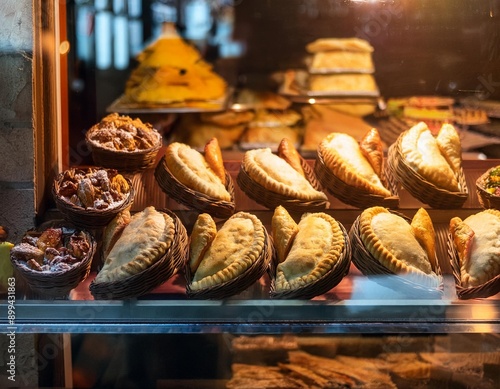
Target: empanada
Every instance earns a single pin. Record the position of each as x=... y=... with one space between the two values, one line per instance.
x=213 y=156
x=342 y=155
x=315 y=250
x=190 y=167
x=284 y=230
x=204 y=231
x=448 y=141
x=113 y=231
x=276 y=175
x=289 y=153
x=390 y=240
x=237 y=245
x=143 y=241
x=372 y=148
x=421 y=152
x=477 y=240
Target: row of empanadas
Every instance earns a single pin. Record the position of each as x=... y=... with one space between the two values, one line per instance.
x=407 y=249
x=202 y=173
x=437 y=159
x=142 y=242
x=477 y=242
x=306 y=251
x=219 y=256
x=357 y=164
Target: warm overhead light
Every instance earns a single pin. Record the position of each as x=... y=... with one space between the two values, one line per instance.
x=64 y=47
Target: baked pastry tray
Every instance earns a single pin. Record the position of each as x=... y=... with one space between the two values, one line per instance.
x=125 y=105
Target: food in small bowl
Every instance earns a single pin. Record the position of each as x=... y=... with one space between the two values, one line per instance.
x=123 y=143
x=93 y=188
x=488 y=188
x=54 y=258
x=89 y=197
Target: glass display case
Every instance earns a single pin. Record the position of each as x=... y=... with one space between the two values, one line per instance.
x=363 y=326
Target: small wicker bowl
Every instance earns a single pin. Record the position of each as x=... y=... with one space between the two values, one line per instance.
x=419 y=187
x=486 y=199
x=88 y=218
x=171 y=262
x=237 y=284
x=124 y=161
x=328 y=281
x=56 y=284
x=489 y=288
x=191 y=198
x=372 y=268
x=352 y=195
x=271 y=200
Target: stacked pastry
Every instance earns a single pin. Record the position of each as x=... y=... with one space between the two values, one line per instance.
x=172 y=71
x=341 y=66
x=268 y=127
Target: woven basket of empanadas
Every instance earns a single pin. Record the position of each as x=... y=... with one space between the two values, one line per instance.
x=396 y=252
x=199 y=181
x=141 y=253
x=54 y=258
x=474 y=254
x=281 y=179
x=488 y=188
x=428 y=167
x=123 y=143
x=227 y=261
x=90 y=197
x=355 y=172
x=311 y=257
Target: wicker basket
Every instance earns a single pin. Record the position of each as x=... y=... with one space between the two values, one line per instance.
x=168 y=265
x=490 y=288
x=371 y=267
x=237 y=284
x=271 y=200
x=88 y=218
x=486 y=199
x=56 y=284
x=419 y=187
x=193 y=199
x=328 y=281
x=354 y=196
x=124 y=161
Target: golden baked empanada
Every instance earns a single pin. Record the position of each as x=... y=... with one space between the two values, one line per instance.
x=372 y=148
x=283 y=229
x=190 y=167
x=342 y=155
x=237 y=245
x=113 y=231
x=424 y=232
x=204 y=231
x=289 y=153
x=213 y=156
x=345 y=44
x=315 y=250
x=143 y=241
x=276 y=175
x=477 y=239
x=448 y=141
x=390 y=239
x=420 y=150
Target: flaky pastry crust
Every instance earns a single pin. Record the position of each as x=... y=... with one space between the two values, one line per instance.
x=238 y=244
x=343 y=157
x=421 y=152
x=315 y=250
x=190 y=167
x=389 y=239
x=276 y=175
